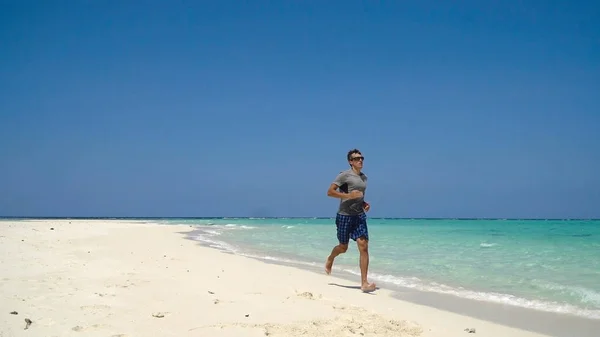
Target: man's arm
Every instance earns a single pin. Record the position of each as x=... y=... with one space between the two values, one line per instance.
x=339 y=180
x=333 y=192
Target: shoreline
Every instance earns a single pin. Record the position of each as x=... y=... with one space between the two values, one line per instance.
x=106 y=274
x=555 y=324
x=127 y=218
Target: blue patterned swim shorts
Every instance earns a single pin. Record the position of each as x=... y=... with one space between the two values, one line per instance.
x=351 y=227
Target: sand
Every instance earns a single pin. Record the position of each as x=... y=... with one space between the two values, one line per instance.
x=118 y=278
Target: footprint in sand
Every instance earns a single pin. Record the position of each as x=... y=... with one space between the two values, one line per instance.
x=128 y=283
x=308 y=295
x=95 y=307
x=104 y=294
x=231 y=330
x=79 y=328
x=356 y=323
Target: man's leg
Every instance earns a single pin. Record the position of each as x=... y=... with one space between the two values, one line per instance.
x=361 y=235
x=337 y=250
x=363 y=249
x=343 y=224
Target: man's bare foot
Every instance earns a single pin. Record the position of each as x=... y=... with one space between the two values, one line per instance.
x=328 y=265
x=368 y=287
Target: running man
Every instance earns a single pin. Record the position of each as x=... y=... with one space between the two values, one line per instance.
x=351 y=219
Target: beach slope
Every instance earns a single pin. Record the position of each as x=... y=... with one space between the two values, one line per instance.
x=119 y=278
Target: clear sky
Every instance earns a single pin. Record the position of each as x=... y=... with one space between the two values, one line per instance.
x=224 y=108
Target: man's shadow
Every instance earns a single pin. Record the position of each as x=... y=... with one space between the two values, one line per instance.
x=353 y=287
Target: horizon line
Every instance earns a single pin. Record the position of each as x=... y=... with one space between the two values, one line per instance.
x=275 y=217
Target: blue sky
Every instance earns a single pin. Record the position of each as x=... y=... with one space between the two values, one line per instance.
x=224 y=108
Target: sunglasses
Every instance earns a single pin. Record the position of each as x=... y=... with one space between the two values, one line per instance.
x=357 y=158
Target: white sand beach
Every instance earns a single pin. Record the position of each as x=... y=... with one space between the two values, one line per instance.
x=118 y=278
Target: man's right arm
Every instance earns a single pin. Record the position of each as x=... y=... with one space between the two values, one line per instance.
x=333 y=189
x=334 y=193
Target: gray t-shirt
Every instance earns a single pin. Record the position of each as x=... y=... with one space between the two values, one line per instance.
x=349 y=181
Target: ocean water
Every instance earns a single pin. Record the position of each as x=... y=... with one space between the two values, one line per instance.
x=549 y=265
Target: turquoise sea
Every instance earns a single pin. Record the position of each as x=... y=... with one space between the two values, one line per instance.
x=549 y=265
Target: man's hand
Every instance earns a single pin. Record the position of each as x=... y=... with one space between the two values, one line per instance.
x=366 y=206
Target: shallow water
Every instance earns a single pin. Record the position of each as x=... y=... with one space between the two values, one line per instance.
x=550 y=265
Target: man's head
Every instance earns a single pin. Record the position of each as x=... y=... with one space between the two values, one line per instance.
x=355 y=159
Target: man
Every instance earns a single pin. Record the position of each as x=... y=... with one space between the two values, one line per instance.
x=351 y=219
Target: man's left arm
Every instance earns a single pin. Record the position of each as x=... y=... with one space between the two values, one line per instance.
x=366 y=205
